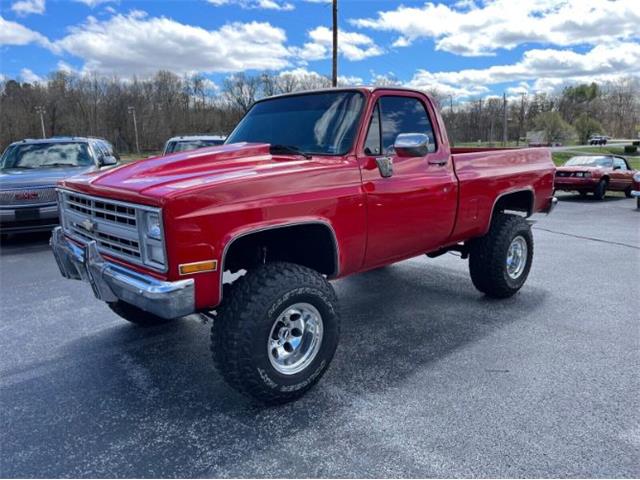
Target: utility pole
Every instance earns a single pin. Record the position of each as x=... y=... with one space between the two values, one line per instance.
x=451 y=103
x=132 y=111
x=521 y=118
x=41 y=111
x=504 y=120
x=334 y=75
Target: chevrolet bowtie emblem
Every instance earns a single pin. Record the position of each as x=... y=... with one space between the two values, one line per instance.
x=88 y=225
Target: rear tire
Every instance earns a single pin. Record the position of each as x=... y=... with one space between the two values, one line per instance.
x=135 y=315
x=276 y=333
x=499 y=262
x=601 y=189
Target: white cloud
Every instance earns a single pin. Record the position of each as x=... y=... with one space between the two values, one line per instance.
x=27 y=75
x=135 y=44
x=351 y=45
x=94 y=3
x=547 y=68
x=12 y=33
x=469 y=30
x=261 y=4
x=26 y=7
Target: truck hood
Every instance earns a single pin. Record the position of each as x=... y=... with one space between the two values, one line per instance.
x=157 y=178
x=17 y=178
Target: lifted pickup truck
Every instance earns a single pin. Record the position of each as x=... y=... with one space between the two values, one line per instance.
x=308 y=187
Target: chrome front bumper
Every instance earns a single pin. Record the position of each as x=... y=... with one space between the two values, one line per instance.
x=635 y=193
x=112 y=282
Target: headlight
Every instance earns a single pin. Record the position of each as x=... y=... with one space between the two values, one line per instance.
x=636 y=177
x=153 y=243
x=152 y=224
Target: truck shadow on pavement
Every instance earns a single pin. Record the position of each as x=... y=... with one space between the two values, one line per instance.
x=155 y=390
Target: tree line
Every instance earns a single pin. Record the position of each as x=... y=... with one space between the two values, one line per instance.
x=167 y=105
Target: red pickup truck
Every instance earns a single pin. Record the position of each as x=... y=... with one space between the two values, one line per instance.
x=309 y=187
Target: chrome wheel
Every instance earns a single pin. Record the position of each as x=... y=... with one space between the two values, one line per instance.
x=295 y=338
x=517 y=257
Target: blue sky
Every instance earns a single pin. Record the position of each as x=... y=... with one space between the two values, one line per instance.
x=465 y=49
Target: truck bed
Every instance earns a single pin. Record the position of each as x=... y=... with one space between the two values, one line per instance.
x=486 y=174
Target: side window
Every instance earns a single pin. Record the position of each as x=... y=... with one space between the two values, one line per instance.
x=372 y=144
x=619 y=163
x=404 y=115
x=101 y=151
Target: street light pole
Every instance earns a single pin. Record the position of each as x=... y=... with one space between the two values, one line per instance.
x=132 y=111
x=41 y=111
x=334 y=75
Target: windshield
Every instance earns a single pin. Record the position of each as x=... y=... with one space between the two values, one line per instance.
x=185 y=145
x=320 y=123
x=590 y=162
x=47 y=155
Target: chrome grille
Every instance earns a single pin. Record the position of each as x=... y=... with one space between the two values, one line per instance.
x=112 y=224
x=28 y=196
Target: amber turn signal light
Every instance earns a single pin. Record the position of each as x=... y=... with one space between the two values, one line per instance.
x=197 y=267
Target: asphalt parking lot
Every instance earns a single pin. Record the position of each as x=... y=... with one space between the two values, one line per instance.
x=431 y=379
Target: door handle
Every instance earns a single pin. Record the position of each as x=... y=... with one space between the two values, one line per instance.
x=440 y=163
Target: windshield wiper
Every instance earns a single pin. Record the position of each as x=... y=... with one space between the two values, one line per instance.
x=277 y=148
x=53 y=165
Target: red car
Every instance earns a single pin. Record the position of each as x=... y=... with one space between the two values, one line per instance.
x=595 y=174
x=309 y=187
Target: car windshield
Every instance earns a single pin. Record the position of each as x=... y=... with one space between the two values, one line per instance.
x=185 y=145
x=590 y=162
x=320 y=123
x=47 y=155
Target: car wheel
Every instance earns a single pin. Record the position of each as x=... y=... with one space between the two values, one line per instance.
x=135 y=315
x=627 y=192
x=499 y=262
x=601 y=189
x=276 y=333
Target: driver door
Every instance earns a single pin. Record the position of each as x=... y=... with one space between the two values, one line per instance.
x=413 y=210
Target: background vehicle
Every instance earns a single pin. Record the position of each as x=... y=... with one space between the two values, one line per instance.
x=29 y=171
x=191 y=142
x=308 y=187
x=636 y=188
x=598 y=140
x=595 y=174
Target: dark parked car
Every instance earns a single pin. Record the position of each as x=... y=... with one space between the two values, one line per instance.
x=191 y=142
x=598 y=140
x=29 y=171
x=596 y=174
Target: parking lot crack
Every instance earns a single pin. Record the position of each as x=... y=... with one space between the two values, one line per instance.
x=583 y=237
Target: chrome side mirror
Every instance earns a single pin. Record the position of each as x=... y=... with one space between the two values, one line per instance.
x=109 y=161
x=411 y=145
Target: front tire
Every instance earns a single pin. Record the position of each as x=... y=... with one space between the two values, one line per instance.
x=499 y=262
x=627 y=192
x=276 y=333
x=601 y=189
x=135 y=315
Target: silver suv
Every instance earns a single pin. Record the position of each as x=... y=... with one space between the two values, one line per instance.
x=29 y=171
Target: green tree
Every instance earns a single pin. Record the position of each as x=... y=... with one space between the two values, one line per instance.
x=586 y=126
x=554 y=127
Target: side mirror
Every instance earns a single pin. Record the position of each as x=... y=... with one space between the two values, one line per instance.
x=108 y=161
x=411 y=145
